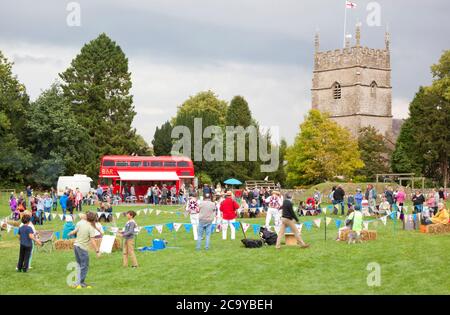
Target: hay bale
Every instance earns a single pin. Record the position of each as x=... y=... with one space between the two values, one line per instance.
x=366 y=235
x=436 y=228
x=68 y=244
x=64 y=244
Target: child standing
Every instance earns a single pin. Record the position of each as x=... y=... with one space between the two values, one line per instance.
x=26 y=236
x=128 y=235
x=356 y=219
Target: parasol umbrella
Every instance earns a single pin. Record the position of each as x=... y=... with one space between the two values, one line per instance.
x=232 y=182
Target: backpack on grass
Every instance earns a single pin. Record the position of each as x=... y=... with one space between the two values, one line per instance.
x=270 y=238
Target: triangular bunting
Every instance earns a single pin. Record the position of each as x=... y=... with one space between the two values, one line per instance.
x=256 y=228
x=159 y=228
x=54 y=215
x=61 y=216
x=324 y=210
x=158 y=212
x=118 y=215
x=384 y=220
x=236 y=225
x=245 y=226
x=16 y=231
x=58 y=235
x=308 y=225
x=47 y=215
x=138 y=212
x=150 y=211
x=149 y=229
x=329 y=221
x=170 y=226
x=145 y=211
x=187 y=227
x=299 y=228
x=317 y=222
x=338 y=223
x=177 y=226
x=304 y=212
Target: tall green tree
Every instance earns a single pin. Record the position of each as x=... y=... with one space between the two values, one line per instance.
x=97 y=86
x=375 y=153
x=239 y=115
x=212 y=112
x=15 y=158
x=162 y=140
x=322 y=151
x=424 y=142
x=60 y=145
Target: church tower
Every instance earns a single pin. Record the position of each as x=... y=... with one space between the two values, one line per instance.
x=353 y=85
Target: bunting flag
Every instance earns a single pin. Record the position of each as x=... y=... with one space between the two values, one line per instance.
x=8 y=228
x=158 y=212
x=256 y=228
x=47 y=215
x=393 y=215
x=105 y=229
x=366 y=225
x=178 y=213
x=398 y=215
x=16 y=231
x=236 y=225
x=118 y=215
x=145 y=211
x=159 y=228
x=329 y=221
x=245 y=226
x=150 y=211
x=317 y=222
x=138 y=212
x=299 y=228
x=177 y=226
x=414 y=217
x=338 y=223
x=57 y=235
x=149 y=229
x=54 y=216
x=308 y=225
x=61 y=216
x=324 y=210
x=187 y=227
x=170 y=226
x=304 y=212
x=384 y=220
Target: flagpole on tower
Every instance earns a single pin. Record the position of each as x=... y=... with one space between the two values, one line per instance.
x=345 y=23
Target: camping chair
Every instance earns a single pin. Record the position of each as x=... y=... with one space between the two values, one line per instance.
x=46 y=238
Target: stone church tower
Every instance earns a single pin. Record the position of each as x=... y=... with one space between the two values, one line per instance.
x=353 y=85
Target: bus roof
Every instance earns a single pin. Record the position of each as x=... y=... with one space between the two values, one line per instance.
x=145 y=158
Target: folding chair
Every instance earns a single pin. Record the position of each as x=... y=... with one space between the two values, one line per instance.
x=46 y=238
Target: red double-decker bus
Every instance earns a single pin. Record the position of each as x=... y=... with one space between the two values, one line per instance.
x=145 y=171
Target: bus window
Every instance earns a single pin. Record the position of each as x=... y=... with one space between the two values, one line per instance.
x=170 y=164
x=108 y=163
x=105 y=181
x=136 y=163
x=156 y=163
x=146 y=164
x=121 y=163
x=183 y=164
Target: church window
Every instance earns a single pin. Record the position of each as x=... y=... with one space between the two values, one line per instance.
x=337 y=91
x=373 y=89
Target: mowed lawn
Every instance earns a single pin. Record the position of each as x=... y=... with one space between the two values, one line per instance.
x=410 y=262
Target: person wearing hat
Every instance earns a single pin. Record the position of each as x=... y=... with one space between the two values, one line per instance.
x=288 y=219
x=274 y=202
x=228 y=207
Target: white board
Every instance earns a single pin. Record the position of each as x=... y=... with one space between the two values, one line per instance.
x=107 y=244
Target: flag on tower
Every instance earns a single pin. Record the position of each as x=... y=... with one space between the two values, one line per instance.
x=350 y=5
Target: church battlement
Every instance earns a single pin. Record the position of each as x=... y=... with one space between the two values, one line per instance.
x=356 y=56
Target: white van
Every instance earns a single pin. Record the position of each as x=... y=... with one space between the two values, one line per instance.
x=73 y=182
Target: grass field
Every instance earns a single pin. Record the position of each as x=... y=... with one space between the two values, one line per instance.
x=411 y=263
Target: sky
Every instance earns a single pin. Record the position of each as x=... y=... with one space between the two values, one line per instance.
x=259 y=49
